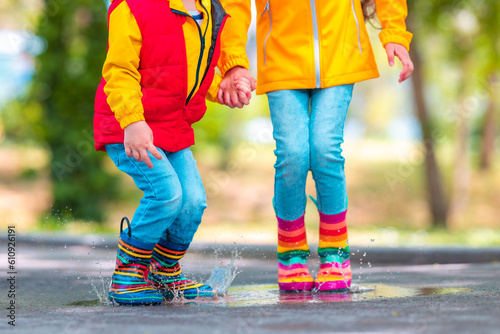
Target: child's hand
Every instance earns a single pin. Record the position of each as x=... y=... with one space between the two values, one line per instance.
x=138 y=141
x=244 y=88
x=400 y=51
x=228 y=93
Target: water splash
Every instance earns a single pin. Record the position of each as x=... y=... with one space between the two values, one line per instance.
x=100 y=285
x=223 y=275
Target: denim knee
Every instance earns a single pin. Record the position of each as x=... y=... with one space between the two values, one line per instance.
x=169 y=203
x=189 y=218
x=325 y=154
x=193 y=207
x=292 y=161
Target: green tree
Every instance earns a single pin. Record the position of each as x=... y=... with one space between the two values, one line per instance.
x=488 y=46
x=65 y=84
x=455 y=38
x=418 y=22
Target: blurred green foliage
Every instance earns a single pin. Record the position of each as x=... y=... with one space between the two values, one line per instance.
x=458 y=41
x=222 y=128
x=455 y=50
x=460 y=45
x=68 y=74
x=58 y=110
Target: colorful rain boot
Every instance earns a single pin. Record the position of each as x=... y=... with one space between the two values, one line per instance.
x=128 y=286
x=293 y=252
x=335 y=268
x=165 y=273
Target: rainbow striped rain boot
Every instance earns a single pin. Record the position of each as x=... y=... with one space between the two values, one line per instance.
x=335 y=268
x=128 y=286
x=165 y=273
x=293 y=251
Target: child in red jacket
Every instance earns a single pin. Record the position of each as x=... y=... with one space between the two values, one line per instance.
x=159 y=68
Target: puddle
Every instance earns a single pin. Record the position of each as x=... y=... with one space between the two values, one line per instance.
x=254 y=295
x=268 y=294
x=94 y=302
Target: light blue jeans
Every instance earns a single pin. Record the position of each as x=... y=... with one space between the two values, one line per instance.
x=308 y=126
x=174 y=197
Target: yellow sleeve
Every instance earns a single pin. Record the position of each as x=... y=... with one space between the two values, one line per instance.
x=214 y=89
x=123 y=87
x=234 y=35
x=392 y=15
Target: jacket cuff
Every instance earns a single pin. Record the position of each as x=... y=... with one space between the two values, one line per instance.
x=396 y=36
x=233 y=61
x=214 y=89
x=132 y=118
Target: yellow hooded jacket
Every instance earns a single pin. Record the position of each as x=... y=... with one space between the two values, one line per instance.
x=304 y=44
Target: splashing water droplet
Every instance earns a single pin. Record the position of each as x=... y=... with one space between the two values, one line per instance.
x=100 y=287
x=222 y=276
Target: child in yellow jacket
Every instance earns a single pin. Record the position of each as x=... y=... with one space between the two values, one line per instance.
x=309 y=55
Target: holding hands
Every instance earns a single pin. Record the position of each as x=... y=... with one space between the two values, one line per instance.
x=236 y=88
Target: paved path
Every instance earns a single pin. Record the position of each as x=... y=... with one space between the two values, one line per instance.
x=59 y=290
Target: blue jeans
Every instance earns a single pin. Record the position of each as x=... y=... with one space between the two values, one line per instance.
x=308 y=126
x=174 y=197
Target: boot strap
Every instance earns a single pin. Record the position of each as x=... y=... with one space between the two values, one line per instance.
x=128 y=224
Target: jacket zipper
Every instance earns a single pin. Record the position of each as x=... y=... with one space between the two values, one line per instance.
x=267 y=9
x=317 y=64
x=202 y=49
x=357 y=26
x=213 y=46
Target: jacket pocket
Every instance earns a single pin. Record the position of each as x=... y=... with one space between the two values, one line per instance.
x=193 y=116
x=267 y=9
x=113 y=151
x=352 y=31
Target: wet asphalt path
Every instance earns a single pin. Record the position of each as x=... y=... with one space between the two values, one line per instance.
x=58 y=290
